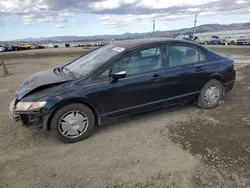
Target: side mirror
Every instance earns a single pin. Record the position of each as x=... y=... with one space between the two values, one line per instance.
x=118 y=75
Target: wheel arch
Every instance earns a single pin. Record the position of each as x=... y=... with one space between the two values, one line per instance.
x=60 y=104
x=215 y=76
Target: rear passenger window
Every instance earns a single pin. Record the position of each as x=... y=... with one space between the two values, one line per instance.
x=181 y=55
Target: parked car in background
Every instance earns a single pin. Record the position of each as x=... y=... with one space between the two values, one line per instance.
x=186 y=37
x=215 y=41
x=202 y=39
x=27 y=46
x=189 y=38
x=12 y=47
x=120 y=79
x=243 y=41
x=103 y=43
x=229 y=40
x=17 y=47
x=37 y=46
x=50 y=46
x=7 y=48
x=207 y=39
x=2 y=49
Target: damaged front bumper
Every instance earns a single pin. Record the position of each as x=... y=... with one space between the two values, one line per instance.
x=13 y=116
x=37 y=118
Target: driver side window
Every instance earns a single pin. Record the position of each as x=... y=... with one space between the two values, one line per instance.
x=141 y=61
x=105 y=74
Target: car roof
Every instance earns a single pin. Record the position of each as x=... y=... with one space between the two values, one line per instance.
x=127 y=44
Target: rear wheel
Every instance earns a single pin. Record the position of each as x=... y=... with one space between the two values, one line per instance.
x=73 y=123
x=211 y=94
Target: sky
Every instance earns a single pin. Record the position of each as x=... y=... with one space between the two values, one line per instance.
x=21 y=19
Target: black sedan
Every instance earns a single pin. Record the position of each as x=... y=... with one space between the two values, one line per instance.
x=120 y=79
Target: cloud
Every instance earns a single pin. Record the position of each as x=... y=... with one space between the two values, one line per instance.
x=60 y=25
x=44 y=17
x=26 y=23
x=112 y=21
x=75 y=21
x=119 y=12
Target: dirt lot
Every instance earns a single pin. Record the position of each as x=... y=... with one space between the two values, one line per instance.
x=186 y=147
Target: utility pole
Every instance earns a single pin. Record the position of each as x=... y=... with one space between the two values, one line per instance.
x=153 y=27
x=195 y=22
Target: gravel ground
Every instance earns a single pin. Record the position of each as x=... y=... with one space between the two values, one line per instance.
x=184 y=147
x=221 y=136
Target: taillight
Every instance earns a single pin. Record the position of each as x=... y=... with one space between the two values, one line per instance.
x=233 y=68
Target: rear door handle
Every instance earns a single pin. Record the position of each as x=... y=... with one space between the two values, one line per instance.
x=199 y=69
x=157 y=78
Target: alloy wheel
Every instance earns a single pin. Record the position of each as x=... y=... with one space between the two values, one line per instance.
x=73 y=124
x=212 y=94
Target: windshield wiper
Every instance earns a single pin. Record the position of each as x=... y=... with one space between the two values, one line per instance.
x=58 y=70
x=70 y=72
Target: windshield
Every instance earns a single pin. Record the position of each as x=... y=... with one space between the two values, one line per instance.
x=93 y=60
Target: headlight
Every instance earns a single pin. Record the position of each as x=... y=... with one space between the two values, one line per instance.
x=23 y=106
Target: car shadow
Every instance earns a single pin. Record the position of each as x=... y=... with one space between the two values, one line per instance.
x=39 y=136
x=124 y=121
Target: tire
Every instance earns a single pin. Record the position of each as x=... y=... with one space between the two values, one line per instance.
x=206 y=43
x=67 y=118
x=232 y=43
x=211 y=94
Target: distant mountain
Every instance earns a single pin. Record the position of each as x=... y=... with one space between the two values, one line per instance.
x=82 y=38
x=185 y=31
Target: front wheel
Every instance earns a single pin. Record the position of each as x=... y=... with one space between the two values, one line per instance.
x=211 y=94
x=73 y=123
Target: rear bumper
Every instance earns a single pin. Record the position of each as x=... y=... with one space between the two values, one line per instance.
x=229 y=86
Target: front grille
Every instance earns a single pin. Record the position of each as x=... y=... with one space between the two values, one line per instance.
x=243 y=40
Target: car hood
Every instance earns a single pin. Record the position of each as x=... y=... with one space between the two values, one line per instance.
x=40 y=80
